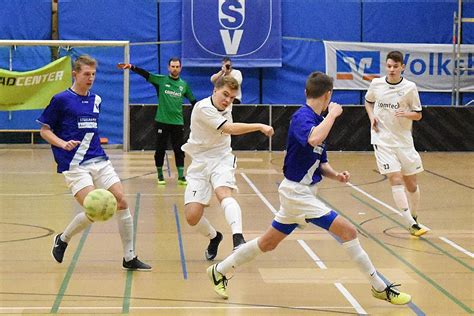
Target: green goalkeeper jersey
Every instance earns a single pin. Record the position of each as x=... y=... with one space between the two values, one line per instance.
x=170 y=96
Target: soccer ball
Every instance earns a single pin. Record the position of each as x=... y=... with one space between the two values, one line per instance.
x=100 y=205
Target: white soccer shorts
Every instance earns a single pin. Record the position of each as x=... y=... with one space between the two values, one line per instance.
x=394 y=159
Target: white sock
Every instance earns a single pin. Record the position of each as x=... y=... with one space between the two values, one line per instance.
x=414 y=200
x=78 y=224
x=245 y=253
x=205 y=228
x=355 y=251
x=233 y=214
x=125 y=226
x=400 y=197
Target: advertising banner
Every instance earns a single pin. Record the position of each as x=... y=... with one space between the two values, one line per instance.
x=353 y=64
x=247 y=31
x=33 y=89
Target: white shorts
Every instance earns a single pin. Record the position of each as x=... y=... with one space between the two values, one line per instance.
x=100 y=174
x=298 y=202
x=395 y=159
x=204 y=176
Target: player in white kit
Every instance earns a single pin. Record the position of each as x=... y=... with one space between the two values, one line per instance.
x=213 y=164
x=392 y=103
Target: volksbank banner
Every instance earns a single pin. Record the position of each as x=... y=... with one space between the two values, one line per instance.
x=33 y=89
x=248 y=31
x=353 y=65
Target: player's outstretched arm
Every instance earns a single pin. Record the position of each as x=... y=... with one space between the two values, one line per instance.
x=142 y=72
x=329 y=172
x=244 y=128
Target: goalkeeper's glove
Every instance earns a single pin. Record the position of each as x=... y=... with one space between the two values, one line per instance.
x=125 y=66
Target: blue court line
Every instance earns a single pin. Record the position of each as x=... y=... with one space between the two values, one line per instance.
x=128 y=283
x=70 y=270
x=180 y=241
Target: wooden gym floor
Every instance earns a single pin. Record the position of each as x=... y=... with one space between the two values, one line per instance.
x=309 y=274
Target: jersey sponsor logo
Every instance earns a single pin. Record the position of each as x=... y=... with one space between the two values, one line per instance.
x=388 y=105
x=173 y=93
x=318 y=150
x=364 y=63
x=87 y=123
x=243 y=27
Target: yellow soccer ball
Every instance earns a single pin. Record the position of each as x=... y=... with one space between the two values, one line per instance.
x=100 y=205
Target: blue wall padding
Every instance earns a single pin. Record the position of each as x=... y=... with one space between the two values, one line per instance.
x=114 y=20
x=401 y=21
x=334 y=20
x=24 y=20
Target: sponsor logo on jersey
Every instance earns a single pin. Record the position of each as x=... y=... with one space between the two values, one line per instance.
x=87 y=122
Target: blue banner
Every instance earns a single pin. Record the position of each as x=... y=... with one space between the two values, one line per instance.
x=248 y=31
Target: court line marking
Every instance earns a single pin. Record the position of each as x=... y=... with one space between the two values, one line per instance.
x=69 y=272
x=377 y=200
x=180 y=242
x=128 y=283
x=310 y=252
x=403 y=260
x=169 y=307
x=432 y=244
x=453 y=244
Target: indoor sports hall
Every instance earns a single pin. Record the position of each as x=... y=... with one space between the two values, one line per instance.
x=276 y=44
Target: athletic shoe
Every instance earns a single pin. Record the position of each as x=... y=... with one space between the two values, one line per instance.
x=219 y=281
x=182 y=181
x=417 y=230
x=211 y=251
x=161 y=180
x=392 y=295
x=238 y=240
x=135 y=265
x=59 y=247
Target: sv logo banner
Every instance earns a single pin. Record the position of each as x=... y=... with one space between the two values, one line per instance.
x=242 y=29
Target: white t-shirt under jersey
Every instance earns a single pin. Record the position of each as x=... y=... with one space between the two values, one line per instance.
x=388 y=98
x=206 y=139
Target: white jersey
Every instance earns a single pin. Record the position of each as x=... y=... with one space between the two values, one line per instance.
x=206 y=139
x=237 y=75
x=387 y=99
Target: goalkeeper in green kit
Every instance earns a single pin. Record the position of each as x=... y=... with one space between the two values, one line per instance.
x=169 y=116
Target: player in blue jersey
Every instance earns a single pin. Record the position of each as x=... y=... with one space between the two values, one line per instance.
x=70 y=125
x=305 y=165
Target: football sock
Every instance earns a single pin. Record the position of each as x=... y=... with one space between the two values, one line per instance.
x=233 y=214
x=355 y=251
x=125 y=225
x=180 y=172
x=205 y=228
x=78 y=224
x=400 y=198
x=245 y=253
x=414 y=200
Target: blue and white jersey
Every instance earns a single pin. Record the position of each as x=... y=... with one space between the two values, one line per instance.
x=74 y=117
x=302 y=161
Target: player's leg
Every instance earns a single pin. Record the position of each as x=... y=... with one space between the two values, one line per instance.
x=177 y=140
x=106 y=177
x=196 y=196
x=80 y=183
x=160 y=149
x=223 y=180
x=246 y=253
x=389 y=164
x=340 y=227
x=411 y=166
